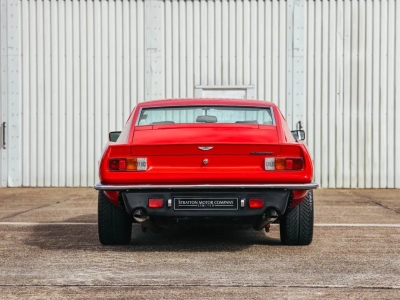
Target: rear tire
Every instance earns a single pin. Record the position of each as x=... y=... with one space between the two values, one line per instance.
x=297 y=224
x=114 y=224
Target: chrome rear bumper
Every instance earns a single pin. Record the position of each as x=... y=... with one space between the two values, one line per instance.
x=294 y=186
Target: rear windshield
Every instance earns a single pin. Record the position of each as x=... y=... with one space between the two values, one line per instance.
x=206 y=114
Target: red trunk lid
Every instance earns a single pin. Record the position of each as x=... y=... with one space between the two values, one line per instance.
x=206 y=140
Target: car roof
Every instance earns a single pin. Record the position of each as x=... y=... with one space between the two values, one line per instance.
x=205 y=101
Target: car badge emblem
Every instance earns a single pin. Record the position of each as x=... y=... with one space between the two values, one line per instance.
x=205 y=148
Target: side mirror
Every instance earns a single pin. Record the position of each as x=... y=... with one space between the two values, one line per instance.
x=299 y=135
x=113 y=136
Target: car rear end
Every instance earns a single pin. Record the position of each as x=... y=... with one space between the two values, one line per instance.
x=240 y=174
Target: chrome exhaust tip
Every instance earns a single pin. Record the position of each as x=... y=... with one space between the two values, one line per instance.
x=270 y=216
x=139 y=215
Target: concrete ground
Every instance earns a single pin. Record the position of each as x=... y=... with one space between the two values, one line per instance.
x=49 y=249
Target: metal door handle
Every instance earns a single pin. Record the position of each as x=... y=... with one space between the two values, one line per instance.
x=4 y=135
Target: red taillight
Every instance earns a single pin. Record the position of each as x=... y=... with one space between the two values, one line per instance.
x=298 y=163
x=122 y=164
x=256 y=203
x=156 y=203
x=284 y=163
x=289 y=164
x=113 y=164
x=128 y=164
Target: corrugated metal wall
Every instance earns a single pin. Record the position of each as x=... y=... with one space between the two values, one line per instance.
x=82 y=72
x=84 y=67
x=353 y=68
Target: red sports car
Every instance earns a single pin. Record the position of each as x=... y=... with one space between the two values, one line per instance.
x=206 y=162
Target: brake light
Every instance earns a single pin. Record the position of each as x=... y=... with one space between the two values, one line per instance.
x=256 y=203
x=283 y=163
x=127 y=164
x=289 y=164
x=156 y=203
x=122 y=164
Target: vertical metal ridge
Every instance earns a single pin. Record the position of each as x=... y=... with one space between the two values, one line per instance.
x=361 y=95
x=396 y=105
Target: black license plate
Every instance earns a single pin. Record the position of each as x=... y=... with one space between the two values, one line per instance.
x=187 y=203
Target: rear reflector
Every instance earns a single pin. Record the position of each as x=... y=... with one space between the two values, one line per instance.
x=156 y=203
x=256 y=203
x=283 y=163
